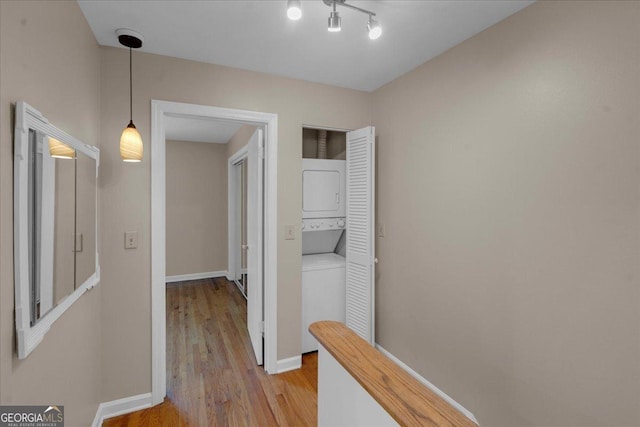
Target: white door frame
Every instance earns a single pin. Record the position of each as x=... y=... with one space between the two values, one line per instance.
x=159 y=111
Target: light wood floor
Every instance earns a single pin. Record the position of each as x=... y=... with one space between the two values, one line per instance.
x=212 y=377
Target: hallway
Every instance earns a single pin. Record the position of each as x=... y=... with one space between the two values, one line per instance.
x=212 y=377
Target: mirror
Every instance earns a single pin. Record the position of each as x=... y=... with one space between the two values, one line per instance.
x=55 y=217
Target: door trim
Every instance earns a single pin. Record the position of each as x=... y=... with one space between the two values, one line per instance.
x=159 y=111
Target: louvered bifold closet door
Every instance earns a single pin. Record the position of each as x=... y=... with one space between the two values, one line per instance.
x=360 y=232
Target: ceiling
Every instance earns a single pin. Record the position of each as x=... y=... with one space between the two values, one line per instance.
x=200 y=130
x=258 y=36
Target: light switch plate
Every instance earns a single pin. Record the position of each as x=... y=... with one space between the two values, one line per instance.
x=289 y=232
x=131 y=240
x=77 y=242
x=381 y=230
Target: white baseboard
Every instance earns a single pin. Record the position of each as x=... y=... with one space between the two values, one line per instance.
x=428 y=384
x=289 y=364
x=120 y=407
x=195 y=276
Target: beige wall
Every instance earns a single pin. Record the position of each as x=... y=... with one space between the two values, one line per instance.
x=240 y=139
x=507 y=179
x=508 y=182
x=49 y=58
x=126 y=196
x=196 y=203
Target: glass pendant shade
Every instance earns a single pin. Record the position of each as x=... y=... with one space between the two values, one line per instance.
x=131 y=144
x=60 y=150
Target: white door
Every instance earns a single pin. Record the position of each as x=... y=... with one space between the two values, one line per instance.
x=360 y=252
x=255 y=211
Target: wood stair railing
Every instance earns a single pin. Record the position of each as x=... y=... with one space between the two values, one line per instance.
x=409 y=402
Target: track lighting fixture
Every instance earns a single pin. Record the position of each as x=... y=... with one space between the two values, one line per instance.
x=294 y=12
x=130 y=141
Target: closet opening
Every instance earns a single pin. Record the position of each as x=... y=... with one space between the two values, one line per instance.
x=337 y=230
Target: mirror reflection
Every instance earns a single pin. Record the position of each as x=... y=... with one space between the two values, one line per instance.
x=85 y=226
x=51 y=208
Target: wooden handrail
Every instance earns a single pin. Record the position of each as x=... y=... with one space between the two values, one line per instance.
x=408 y=401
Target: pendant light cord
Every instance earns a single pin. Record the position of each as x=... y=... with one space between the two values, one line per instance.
x=130 y=88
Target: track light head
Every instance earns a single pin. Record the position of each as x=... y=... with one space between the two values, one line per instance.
x=335 y=22
x=294 y=10
x=374 y=29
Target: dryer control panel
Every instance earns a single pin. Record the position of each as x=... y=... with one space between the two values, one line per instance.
x=322 y=224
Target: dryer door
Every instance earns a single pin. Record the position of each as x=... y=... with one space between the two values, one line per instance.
x=323 y=188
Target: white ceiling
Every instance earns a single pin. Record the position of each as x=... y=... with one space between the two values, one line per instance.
x=200 y=130
x=258 y=36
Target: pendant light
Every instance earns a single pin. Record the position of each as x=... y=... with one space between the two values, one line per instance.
x=130 y=141
x=60 y=150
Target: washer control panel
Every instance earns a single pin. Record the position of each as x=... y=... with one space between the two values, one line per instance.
x=321 y=224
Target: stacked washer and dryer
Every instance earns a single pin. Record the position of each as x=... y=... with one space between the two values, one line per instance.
x=323 y=236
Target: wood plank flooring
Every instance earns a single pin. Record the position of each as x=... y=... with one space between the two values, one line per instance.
x=212 y=377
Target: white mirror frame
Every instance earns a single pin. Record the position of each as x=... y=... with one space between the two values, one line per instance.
x=28 y=337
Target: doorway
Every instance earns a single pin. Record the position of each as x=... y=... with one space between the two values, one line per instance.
x=160 y=112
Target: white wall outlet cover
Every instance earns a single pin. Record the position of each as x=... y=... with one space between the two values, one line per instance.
x=131 y=240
